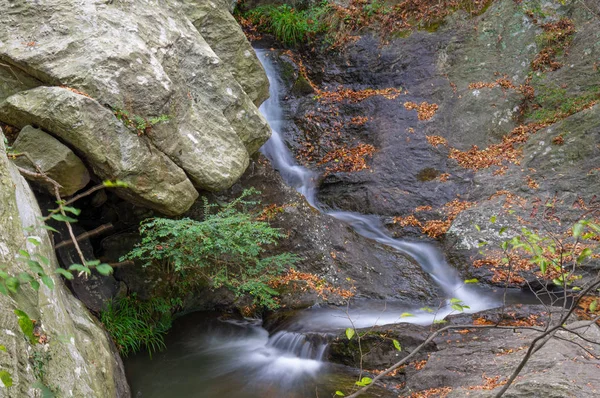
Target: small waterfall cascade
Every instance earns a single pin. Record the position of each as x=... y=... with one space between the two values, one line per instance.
x=299 y=344
x=429 y=258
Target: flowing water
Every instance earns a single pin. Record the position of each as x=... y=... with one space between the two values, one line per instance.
x=210 y=357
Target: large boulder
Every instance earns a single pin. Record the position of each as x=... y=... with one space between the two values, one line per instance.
x=54 y=158
x=79 y=360
x=218 y=27
x=149 y=60
x=111 y=150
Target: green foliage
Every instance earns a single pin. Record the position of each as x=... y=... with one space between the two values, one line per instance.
x=136 y=123
x=553 y=103
x=26 y=325
x=289 y=25
x=39 y=360
x=458 y=305
x=6 y=378
x=226 y=249
x=548 y=253
x=349 y=333
x=365 y=381
x=134 y=324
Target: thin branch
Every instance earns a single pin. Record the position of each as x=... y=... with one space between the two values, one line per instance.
x=85 y=235
x=543 y=338
x=427 y=341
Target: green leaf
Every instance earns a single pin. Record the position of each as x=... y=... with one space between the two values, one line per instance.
x=350 y=333
x=25 y=277
x=426 y=309
x=64 y=273
x=72 y=210
x=340 y=394
x=585 y=253
x=60 y=217
x=366 y=381
x=26 y=325
x=477 y=227
x=502 y=230
x=35 y=285
x=577 y=229
x=46 y=280
x=457 y=307
x=12 y=284
x=493 y=219
x=474 y=280
x=2 y=347
x=44 y=259
x=397 y=345
x=24 y=254
x=6 y=378
x=440 y=321
x=35 y=267
x=405 y=315
x=79 y=268
x=543 y=266
x=35 y=240
x=455 y=300
x=594 y=306
x=49 y=228
x=104 y=269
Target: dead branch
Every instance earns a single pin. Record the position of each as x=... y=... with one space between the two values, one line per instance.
x=85 y=235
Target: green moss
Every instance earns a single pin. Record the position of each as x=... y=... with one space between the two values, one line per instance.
x=553 y=103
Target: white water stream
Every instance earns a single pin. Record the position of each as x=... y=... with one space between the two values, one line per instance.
x=429 y=257
x=240 y=359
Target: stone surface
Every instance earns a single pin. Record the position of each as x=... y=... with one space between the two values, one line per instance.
x=564 y=173
x=331 y=249
x=220 y=30
x=111 y=150
x=462 y=359
x=83 y=360
x=53 y=158
x=148 y=59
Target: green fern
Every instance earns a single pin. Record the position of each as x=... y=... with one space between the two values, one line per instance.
x=227 y=249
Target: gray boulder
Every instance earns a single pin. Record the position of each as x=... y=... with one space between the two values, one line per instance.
x=111 y=150
x=53 y=158
x=149 y=60
x=82 y=360
x=218 y=27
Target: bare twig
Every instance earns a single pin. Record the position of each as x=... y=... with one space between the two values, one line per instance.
x=85 y=235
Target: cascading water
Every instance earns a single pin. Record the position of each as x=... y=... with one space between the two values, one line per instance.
x=428 y=257
x=212 y=358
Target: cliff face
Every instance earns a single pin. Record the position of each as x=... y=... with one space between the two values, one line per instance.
x=78 y=358
x=137 y=72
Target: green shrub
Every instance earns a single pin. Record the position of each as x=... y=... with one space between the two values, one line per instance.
x=134 y=324
x=228 y=248
x=289 y=25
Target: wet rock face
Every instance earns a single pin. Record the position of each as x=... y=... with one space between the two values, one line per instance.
x=83 y=361
x=146 y=59
x=330 y=249
x=443 y=68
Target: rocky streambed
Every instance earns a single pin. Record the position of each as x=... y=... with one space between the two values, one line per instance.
x=397 y=166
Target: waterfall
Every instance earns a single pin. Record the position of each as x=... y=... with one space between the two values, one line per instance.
x=428 y=256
